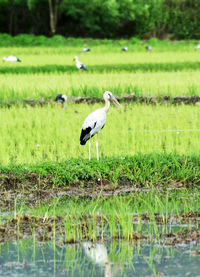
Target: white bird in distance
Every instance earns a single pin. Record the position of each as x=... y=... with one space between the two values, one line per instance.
x=11 y=59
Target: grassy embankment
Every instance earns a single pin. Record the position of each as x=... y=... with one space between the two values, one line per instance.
x=140 y=170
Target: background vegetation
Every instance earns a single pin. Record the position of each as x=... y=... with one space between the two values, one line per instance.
x=50 y=133
x=30 y=135
x=177 y=19
x=141 y=170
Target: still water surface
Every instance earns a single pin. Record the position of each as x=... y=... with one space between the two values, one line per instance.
x=117 y=258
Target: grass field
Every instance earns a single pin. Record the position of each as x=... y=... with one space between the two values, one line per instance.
x=59 y=57
x=45 y=72
x=47 y=61
x=15 y=88
x=30 y=135
x=150 y=151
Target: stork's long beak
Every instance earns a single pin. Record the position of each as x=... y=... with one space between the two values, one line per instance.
x=116 y=102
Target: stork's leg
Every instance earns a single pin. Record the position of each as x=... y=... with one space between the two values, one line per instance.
x=90 y=149
x=97 y=147
x=63 y=105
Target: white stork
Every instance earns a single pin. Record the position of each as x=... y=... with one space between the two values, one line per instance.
x=61 y=98
x=197 y=47
x=11 y=59
x=79 y=65
x=125 y=48
x=95 y=121
x=86 y=50
x=148 y=48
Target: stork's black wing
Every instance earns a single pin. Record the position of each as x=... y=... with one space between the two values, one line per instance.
x=85 y=135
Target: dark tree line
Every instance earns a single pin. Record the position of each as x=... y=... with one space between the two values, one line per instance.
x=102 y=18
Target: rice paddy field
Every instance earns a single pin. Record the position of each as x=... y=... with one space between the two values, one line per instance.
x=136 y=211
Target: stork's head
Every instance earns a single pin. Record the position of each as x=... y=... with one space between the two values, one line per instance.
x=4 y=59
x=109 y=96
x=75 y=58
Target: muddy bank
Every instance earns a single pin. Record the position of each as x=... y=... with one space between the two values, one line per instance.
x=32 y=189
x=45 y=228
x=132 y=98
x=126 y=98
x=186 y=236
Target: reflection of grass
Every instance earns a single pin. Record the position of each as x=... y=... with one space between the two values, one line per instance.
x=116 y=214
x=51 y=134
x=82 y=221
x=126 y=259
x=134 y=217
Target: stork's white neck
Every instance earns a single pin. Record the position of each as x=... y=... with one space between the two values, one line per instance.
x=107 y=105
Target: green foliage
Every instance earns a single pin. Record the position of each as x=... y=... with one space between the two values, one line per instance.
x=47 y=71
x=105 y=68
x=103 y=18
x=29 y=40
x=135 y=40
x=141 y=170
x=16 y=88
x=92 y=15
x=184 y=18
x=31 y=135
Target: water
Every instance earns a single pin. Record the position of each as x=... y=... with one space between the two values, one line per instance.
x=116 y=258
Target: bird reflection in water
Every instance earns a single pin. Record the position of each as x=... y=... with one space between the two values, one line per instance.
x=99 y=255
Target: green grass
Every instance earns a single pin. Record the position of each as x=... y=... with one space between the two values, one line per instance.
x=141 y=170
x=15 y=88
x=46 y=61
x=137 y=203
x=103 y=68
x=58 y=41
x=33 y=58
x=153 y=147
x=112 y=218
x=32 y=135
x=47 y=71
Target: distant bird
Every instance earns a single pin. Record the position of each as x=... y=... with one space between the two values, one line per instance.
x=95 y=121
x=61 y=98
x=79 y=65
x=11 y=59
x=148 y=48
x=86 y=50
x=125 y=48
x=197 y=46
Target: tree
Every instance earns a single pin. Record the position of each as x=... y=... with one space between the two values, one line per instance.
x=53 y=14
x=53 y=11
x=98 y=18
x=13 y=6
